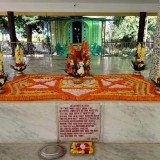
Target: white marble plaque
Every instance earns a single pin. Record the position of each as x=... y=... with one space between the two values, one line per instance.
x=79 y=122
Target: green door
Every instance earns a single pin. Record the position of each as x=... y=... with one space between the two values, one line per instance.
x=81 y=32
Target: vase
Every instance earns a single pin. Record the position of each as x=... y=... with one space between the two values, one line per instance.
x=158 y=90
x=78 y=80
x=138 y=73
x=19 y=73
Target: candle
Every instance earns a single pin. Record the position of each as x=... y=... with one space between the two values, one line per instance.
x=1 y=61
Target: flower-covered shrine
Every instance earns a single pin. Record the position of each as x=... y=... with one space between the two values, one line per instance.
x=65 y=30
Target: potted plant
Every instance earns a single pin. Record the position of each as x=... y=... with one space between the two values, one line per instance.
x=20 y=64
x=3 y=79
x=157 y=84
x=138 y=65
x=3 y=76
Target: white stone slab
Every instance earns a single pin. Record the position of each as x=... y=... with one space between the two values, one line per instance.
x=28 y=122
x=121 y=121
x=131 y=122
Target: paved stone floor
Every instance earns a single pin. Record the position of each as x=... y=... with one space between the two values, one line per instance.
x=102 y=152
x=55 y=65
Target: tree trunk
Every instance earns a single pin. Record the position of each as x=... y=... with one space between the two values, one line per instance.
x=12 y=32
x=29 y=39
x=29 y=33
x=141 y=27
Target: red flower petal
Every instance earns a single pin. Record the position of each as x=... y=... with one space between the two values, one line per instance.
x=78 y=145
x=86 y=150
x=158 y=79
x=86 y=144
x=79 y=148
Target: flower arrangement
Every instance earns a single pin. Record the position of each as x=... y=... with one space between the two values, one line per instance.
x=157 y=82
x=81 y=148
x=78 y=60
x=1 y=79
x=1 y=61
x=138 y=64
x=20 y=64
x=3 y=76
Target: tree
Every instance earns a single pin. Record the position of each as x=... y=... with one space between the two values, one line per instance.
x=118 y=20
x=126 y=30
x=27 y=25
x=151 y=29
x=4 y=24
x=21 y=24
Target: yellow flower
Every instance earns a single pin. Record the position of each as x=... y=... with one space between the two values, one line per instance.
x=90 y=143
x=81 y=148
x=90 y=150
x=19 y=54
x=141 y=51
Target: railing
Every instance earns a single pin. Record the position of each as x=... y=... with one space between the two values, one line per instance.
x=29 y=48
x=123 y=49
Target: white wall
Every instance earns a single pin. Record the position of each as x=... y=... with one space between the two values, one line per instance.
x=50 y=6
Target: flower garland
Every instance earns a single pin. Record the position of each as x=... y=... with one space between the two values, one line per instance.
x=81 y=148
x=20 y=88
x=78 y=60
